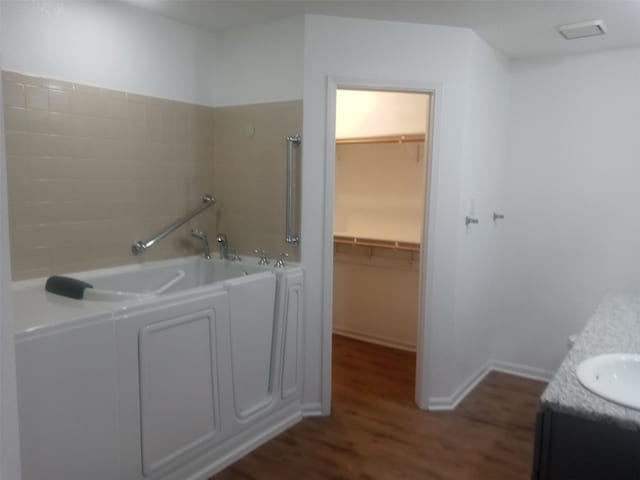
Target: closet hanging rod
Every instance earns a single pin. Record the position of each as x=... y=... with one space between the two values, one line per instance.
x=371 y=243
x=382 y=139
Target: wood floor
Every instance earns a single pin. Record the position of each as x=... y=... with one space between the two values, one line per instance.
x=375 y=430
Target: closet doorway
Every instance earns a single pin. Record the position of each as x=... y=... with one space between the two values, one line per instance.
x=380 y=190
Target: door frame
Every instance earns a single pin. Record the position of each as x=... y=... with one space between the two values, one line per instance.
x=427 y=253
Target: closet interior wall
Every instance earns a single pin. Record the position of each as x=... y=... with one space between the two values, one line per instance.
x=378 y=219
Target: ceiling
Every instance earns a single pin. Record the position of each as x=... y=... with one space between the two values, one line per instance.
x=518 y=28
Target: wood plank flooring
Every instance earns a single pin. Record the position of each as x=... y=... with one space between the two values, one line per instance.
x=376 y=431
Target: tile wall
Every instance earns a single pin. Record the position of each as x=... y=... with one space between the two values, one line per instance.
x=250 y=180
x=91 y=170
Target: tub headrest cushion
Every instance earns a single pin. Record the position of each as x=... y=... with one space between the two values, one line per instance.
x=67 y=286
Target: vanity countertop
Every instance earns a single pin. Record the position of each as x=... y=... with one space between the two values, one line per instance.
x=613 y=328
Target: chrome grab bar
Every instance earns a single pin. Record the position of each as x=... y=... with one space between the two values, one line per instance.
x=140 y=246
x=291 y=238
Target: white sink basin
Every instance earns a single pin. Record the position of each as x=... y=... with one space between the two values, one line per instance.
x=614 y=376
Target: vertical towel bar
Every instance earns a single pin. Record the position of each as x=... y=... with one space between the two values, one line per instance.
x=291 y=238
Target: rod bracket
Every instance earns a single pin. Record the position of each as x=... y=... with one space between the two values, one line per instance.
x=292 y=239
x=469 y=220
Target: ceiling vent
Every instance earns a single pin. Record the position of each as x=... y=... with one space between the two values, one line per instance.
x=591 y=28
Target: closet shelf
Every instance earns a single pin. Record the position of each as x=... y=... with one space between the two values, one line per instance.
x=373 y=243
x=382 y=139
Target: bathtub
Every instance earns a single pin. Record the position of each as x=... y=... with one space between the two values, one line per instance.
x=146 y=281
x=167 y=370
x=162 y=279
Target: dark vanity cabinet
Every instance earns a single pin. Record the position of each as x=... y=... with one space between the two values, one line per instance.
x=571 y=447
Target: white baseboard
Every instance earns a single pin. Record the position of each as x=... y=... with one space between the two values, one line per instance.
x=436 y=404
x=312 y=410
x=378 y=340
x=522 y=370
x=451 y=402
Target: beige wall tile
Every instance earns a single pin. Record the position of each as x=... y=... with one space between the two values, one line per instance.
x=60 y=123
x=118 y=108
x=92 y=170
x=87 y=90
x=19 y=190
x=135 y=131
x=61 y=146
x=21 y=213
x=57 y=212
x=39 y=144
x=118 y=151
x=39 y=81
x=250 y=173
x=56 y=168
x=15 y=119
x=135 y=151
x=153 y=133
x=114 y=94
x=18 y=274
x=134 y=98
x=14 y=77
x=82 y=254
x=60 y=101
x=13 y=94
x=89 y=103
x=29 y=236
x=93 y=147
x=50 y=190
x=116 y=209
x=72 y=234
x=37 y=98
x=153 y=114
x=135 y=110
x=16 y=143
x=30 y=263
x=52 y=84
x=38 y=121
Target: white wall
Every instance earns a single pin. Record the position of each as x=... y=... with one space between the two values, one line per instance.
x=362 y=113
x=379 y=191
x=421 y=56
x=261 y=63
x=110 y=45
x=117 y=46
x=9 y=437
x=482 y=184
x=572 y=225
x=379 y=194
x=375 y=296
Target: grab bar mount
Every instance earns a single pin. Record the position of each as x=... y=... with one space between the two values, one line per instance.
x=290 y=237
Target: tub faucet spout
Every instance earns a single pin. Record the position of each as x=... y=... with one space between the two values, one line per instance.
x=223 y=246
x=200 y=235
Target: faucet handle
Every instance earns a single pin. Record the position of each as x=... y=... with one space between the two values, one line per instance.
x=234 y=257
x=263 y=257
x=197 y=233
x=202 y=236
x=280 y=261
